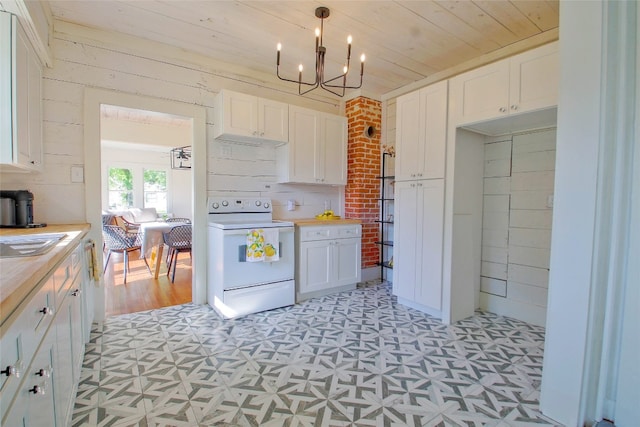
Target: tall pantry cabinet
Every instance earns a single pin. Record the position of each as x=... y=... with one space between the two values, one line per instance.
x=421 y=135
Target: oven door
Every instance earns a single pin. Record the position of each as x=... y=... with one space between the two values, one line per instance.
x=229 y=268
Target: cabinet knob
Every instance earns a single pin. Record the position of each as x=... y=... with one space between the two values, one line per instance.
x=15 y=370
x=76 y=292
x=503 y=110
x=45 y=372
x=40 y=389
x=514 y=107
x=47 y=310
x=35 y=162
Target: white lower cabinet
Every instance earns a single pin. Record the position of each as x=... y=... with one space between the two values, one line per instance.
x=44 y=343
x=418 y=239
x=328 y=259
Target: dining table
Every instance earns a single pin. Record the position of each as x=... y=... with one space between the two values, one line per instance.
x=152 y=245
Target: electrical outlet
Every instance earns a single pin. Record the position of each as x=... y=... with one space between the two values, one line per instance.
x=291 y=205
x=550 y=201
x=77 y=174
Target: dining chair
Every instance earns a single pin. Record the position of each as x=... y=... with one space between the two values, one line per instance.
x=117 y=239
x=178 y=239
x=129 y=227
x=185 y=220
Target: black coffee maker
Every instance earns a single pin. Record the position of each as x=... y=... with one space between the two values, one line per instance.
x=16 y=209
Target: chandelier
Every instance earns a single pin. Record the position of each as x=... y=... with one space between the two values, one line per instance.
x=336 y=85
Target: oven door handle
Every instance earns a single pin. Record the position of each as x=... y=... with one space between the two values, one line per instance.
x=244 y=230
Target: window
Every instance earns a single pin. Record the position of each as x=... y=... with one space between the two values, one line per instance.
x=120 y=188
x=155 y=190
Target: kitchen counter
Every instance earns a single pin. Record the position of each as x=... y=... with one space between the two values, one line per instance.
x=20 y=276
x=314 y=221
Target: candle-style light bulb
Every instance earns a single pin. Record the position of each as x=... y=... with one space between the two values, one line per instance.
x=349 y=40
x=299 y=73
x=362 y=57
x=317 y=38
x=345 y=69
x=279 y=49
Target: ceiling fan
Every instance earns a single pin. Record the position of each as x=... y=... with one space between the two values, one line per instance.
x=181 y=157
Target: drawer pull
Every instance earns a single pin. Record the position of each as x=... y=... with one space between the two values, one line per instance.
x=45 y=372
x=15 y=370
x=40 y=389
x=47 y=310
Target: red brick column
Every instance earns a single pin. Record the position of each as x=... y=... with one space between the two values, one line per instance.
x=363 y=188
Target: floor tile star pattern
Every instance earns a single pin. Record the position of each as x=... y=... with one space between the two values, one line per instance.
x=355 y=358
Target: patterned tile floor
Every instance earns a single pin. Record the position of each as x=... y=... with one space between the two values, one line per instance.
x=350 y=359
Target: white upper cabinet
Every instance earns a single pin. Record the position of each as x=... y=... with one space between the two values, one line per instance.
x=248 y=118
x=21 y=98
x=521 y=83
x=421 y=133
x=317 y=149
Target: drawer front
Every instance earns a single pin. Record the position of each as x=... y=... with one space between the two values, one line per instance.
x=349 y=231
x=308 y=234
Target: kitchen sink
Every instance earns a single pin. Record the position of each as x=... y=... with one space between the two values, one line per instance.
x=28 y=245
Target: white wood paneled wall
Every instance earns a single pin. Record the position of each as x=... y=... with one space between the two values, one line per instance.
x=516 y=225
x=90 y=58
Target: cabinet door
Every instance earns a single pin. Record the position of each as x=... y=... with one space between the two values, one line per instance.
x=35 y=409
x=430 y=229
x=304 y=139
x=75 y=317
x=433 y=131
x=407 y=136
x=273 y=120
x=240 y=114
x=315 y=265
x=333 y=134
x=346 y=261
x=35 y=113
x=41 y=410
x=405 y=239
x=28 y=102
x=534 y=79
x=63 y=368
x=481 y=94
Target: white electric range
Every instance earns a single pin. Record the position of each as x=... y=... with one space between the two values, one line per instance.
x=237 y=283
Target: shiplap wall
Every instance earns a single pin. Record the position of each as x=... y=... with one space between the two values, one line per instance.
x=90 y=58
x=516 y=225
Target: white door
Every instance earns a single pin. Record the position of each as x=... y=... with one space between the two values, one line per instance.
x=303 y=144
x=534 y=79
x=334 y=159
x=273 y=120
x=433 y=131
x=407 y=136
x=405 y=237
x=346 y=256
x=240 y=114
x=315 y=265
x=430 y=228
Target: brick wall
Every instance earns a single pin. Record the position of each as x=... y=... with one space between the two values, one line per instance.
x=363 y=188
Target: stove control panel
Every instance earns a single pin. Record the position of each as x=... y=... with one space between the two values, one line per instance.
x=238 y=205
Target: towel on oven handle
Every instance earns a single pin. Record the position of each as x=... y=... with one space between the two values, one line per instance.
x=263 y=245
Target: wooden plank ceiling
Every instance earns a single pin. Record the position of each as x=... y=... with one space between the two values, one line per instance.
x=404 y=41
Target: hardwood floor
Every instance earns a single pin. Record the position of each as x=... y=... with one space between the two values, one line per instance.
x=142 y=291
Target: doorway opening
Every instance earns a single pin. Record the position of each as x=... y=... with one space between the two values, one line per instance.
x=94 y=100
x=138 y=175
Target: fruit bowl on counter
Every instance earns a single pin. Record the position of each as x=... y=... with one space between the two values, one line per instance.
x=327 y=215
